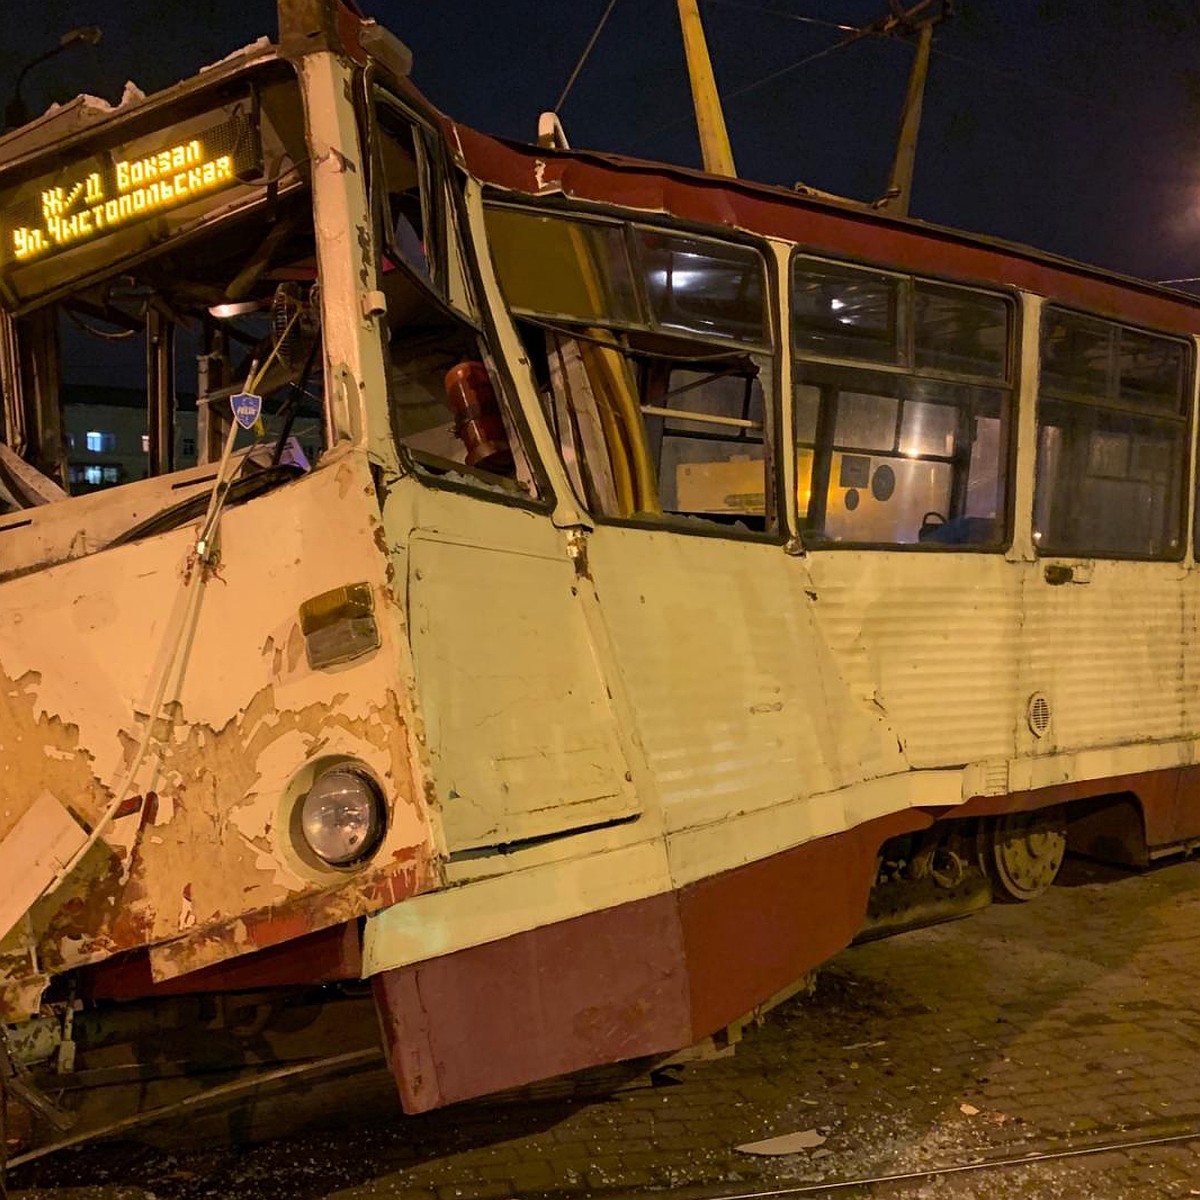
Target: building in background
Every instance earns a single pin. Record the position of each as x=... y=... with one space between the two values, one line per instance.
x=108 y=442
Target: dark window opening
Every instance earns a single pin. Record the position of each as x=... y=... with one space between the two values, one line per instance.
x=449 y=406
x=1112 y=440
x=407 y=202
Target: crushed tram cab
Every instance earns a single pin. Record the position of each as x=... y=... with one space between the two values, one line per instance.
x=575 y=594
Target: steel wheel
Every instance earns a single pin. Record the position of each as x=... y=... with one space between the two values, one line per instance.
x=1021 y=853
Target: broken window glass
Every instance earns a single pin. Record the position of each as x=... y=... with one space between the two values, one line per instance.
x=449 y=406
x=652 y=382
x=124 y=363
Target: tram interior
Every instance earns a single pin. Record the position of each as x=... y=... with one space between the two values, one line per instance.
x=651 y=352
x=130 y=375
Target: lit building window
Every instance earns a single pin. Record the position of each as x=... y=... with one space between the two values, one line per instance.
x=145 y=443
x=101 y=443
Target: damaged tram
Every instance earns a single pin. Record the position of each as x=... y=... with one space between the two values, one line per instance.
x=574 y=594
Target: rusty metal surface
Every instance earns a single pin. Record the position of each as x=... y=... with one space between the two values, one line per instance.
x=201 y=867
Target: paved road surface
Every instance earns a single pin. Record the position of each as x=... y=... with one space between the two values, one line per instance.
x=1071 y=1023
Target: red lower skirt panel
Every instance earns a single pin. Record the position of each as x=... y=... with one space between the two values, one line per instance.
x=603 y=987
x=642 y=978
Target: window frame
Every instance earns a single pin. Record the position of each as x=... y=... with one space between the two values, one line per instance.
x=1188 y=484
x=1010 y=383
x=240 y=81
x=772 y=350
x=429 y=150
x=443 y=175
x=245 y=79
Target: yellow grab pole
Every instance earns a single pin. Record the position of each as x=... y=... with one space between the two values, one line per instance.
x=710 y=120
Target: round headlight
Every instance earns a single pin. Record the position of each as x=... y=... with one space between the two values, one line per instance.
x=342 y=817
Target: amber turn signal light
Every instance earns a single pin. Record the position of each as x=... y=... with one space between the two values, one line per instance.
x=339 y=625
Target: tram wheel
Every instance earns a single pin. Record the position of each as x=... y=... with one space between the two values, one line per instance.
x=1021 y=853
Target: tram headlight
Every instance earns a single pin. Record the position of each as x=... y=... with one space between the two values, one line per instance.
x=342 y=818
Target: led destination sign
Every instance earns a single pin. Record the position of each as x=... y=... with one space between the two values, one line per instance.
x=101 y=194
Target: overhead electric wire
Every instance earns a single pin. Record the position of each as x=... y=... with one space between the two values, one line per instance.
x=855 y=36
x=787 y=16
x=756 y=84
x=1020 y=77
x=584 y=56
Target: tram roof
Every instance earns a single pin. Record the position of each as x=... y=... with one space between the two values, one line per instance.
x=817 y=223
x=820 y=225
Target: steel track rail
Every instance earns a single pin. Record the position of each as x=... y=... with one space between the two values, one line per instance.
x=992 y=1164
x=221 y=1092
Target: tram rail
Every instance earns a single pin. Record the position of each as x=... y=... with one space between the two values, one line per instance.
x=1004 y=1162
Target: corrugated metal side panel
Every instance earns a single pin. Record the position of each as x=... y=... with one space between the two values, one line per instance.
x=737 y=706
x=932 y=641
x=1107 y=653
x=1191 y=651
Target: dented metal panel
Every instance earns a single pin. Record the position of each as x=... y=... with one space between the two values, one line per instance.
x=201 y=857
x=629 y=732
x=521 y=732
x=931 y=640
x=737 y=702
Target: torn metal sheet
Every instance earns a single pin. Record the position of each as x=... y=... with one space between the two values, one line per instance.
x=43 y=840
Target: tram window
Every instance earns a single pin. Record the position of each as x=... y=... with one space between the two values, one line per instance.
x=842 y=312
x=711 y=468
x=659 y=403
x=1150 y=370
x=563 y=268
x=406 y=195
x=901 y=455
x=866 y=422
x=84 y=364
x=703 y=287
x=450 y=410
x=449 y=407
x=142 y=334
x=928 y=429
x=1112 y=440
x=960 y=332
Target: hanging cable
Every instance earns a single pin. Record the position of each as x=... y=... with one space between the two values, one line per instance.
x=584 y=56
x=787 y=16
x=750 y=87
x=194 y=579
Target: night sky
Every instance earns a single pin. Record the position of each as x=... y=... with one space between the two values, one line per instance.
x=1072 y=125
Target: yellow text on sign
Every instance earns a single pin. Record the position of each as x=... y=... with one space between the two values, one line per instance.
x=72 y=213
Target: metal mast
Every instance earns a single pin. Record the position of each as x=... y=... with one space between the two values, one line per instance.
x=710 y=120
